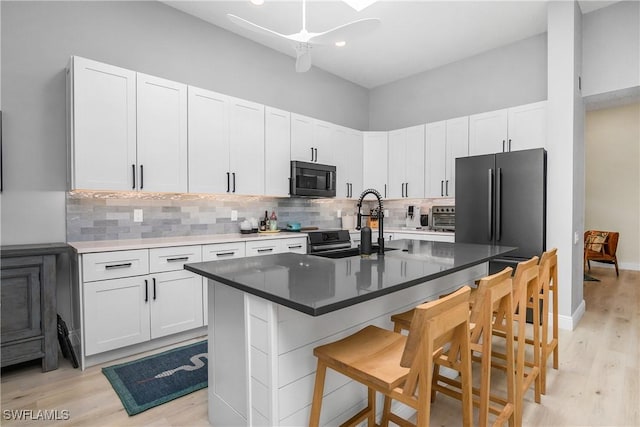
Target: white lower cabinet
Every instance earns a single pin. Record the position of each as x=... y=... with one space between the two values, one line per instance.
x=176 y=302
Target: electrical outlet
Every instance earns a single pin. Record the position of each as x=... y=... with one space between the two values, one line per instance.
x=137 y=215
x=386 y=213
x=234 y=215
x=339 y=214
x=576 y=237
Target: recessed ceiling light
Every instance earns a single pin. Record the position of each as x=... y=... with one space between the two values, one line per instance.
x=257 y=2
x=359 y=4
x=341 y=43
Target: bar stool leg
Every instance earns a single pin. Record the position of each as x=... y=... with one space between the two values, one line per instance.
x=318 y=389
x=386 y=410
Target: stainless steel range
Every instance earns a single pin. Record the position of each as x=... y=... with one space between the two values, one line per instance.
x=443 y=218
x=333 y=244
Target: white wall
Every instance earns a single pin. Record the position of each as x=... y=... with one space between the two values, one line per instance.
x=504 y=77
x=611 y=48
x=39 y=37
x=613 y=178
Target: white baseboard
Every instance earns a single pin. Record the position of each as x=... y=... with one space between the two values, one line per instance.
x=569 y=323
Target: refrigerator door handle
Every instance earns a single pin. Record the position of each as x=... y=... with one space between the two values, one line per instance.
x=498 y=204
x=490 y=205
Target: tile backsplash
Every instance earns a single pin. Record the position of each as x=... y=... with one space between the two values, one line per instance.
x=95 y=216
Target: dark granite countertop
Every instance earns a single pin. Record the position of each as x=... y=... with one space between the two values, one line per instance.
x=316 y=285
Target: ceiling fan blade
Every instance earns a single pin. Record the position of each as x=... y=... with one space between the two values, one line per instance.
x=346 y=32
x=303 y=59
x=255 y=28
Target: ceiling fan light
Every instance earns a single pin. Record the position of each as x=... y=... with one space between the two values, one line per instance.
x=341 y=43
x=257 y=2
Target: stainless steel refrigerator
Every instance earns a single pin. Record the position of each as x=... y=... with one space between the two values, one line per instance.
x=501 y=199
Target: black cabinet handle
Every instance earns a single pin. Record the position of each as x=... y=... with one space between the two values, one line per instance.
x=141 y=177
x=406 y=189
x=265 y=250
x=498 y=204
x=447 y=187
x=312 y=154
x=490 y=205
x=234 y=182
x=146 y=290
x=316 y=151
x=114 y=266
x=503 y=146
x=225 y=253
x=442 y=188
x=154 y=288
x=509 y=145
x=133 y=174
x=385 y=190
x=182 y=258
x=295 y=247
x=228 y=182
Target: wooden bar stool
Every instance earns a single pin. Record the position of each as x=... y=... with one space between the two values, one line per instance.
x=525 y=287
x=494 y=293
x=548 y=271
x=401 y=366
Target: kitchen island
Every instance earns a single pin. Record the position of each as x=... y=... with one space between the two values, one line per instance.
x=266 y=314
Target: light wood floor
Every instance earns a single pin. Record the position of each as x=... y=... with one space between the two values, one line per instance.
x=597 y=385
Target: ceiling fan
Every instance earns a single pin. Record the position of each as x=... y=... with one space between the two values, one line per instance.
x=304 y=40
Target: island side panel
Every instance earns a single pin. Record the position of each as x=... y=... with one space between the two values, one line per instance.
x=228 y=386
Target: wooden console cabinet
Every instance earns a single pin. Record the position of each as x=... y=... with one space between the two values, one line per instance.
x=28 y=297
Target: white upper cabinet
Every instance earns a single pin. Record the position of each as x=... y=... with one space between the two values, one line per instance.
x=226 y=144
x=277 y=143
x=446 y=141
x=406 y=162
x=311 y=140
x=246 y=143
x=103 y=126
x=528 y=126
x=208 y=141
x=488 y=132
x=349 y=162
x=162 y=134
x=374 y=162
x=510 y=129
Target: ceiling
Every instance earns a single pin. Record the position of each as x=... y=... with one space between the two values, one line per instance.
x=414 y=36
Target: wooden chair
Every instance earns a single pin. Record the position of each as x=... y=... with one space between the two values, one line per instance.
x=601 y=246
x=493 y=292
x=548 y=276
x=401 y=366
x=525 y=288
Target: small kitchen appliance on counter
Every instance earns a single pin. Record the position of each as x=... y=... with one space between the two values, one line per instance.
x=413 y=217
x=443 y=218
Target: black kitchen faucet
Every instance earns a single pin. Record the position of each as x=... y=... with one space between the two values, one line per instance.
x=380 y=217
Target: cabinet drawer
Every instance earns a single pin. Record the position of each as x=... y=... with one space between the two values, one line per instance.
x=296 y=245
x=266 y=247
x=217 y=251
x=173 y=258
x=112 y=265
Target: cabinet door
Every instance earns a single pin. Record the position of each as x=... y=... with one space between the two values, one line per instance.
x=323 y=142
x=397 y=161
x=208 y=141
x=354 y=157
x=246 y=142
x=488 y=132
x=528 y=126
x=374 y=165
x=457 y=146
x=302 y=138
x=277 y=151
x=116 y=313
x=436 y=142
x=414 y=162
x=176 y=302
x=263 y=247
x=296 y=245
x=21 y=313
x=103 y=137
x=342 y=163
x=162 y=135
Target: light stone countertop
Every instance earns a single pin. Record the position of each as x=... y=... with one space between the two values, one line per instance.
x=163 y=242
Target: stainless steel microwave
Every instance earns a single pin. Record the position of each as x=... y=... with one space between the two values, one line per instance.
x=312 y=179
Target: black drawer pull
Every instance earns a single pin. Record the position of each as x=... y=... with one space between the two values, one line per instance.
x=146 y=290
x=265 y=250
x=182 y=258
x=295 y=247
x=114 y=266
x=225 y=253
x=154 y=288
